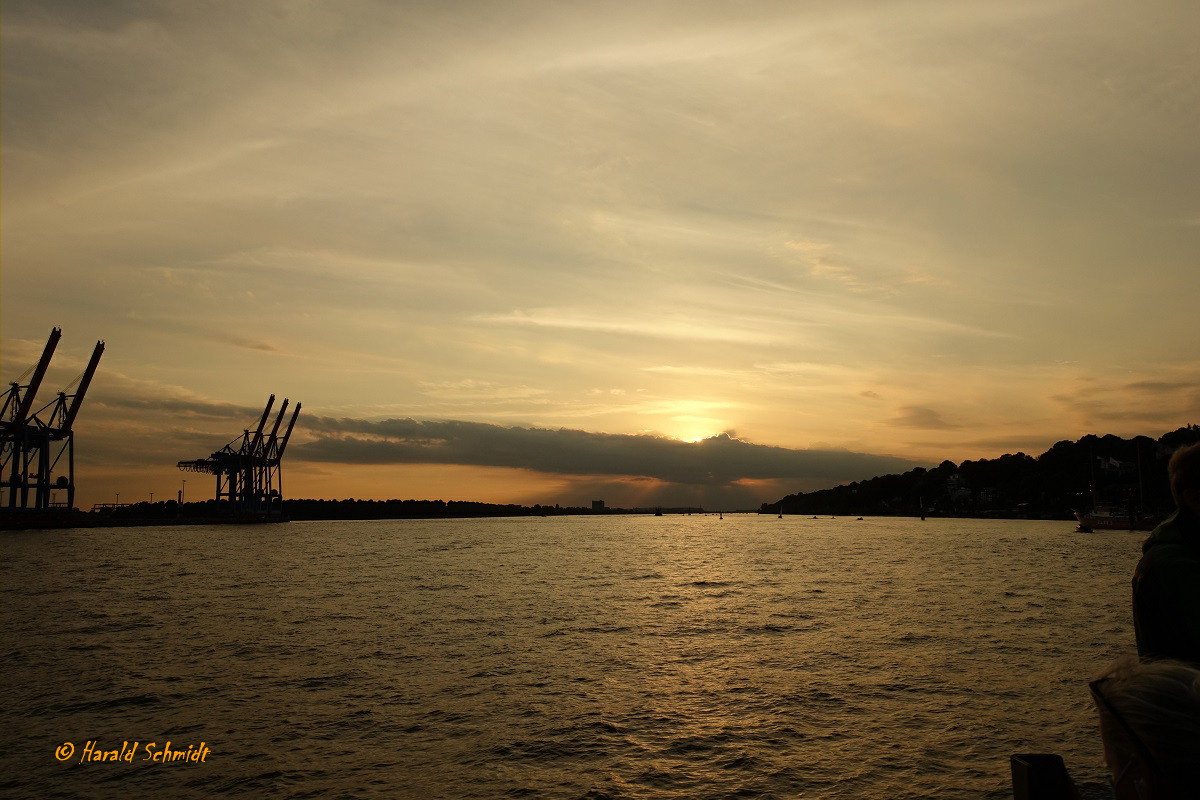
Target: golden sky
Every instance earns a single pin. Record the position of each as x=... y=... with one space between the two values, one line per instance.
x=527 y=251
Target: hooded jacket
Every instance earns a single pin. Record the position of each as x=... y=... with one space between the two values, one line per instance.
x=1166 y=590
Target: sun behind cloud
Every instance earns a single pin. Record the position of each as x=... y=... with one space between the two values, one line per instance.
x=695 y=429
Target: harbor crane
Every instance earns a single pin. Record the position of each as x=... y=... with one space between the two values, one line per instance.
x=249 y=469
x=33 y=443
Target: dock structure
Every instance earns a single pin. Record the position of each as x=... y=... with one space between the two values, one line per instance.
x=37 y=448
x=249 y=469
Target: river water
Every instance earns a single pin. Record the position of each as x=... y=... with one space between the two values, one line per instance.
x=580 y=657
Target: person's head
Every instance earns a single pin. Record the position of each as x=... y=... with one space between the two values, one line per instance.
x=1150 y=724
x=1184 y=470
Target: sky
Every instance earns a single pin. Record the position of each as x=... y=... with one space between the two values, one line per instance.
x=648 y=252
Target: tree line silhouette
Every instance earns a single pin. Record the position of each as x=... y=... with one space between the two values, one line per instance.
x=1095 y=470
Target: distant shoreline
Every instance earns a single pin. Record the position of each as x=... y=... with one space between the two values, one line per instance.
x=168 y=514
x=214 y=513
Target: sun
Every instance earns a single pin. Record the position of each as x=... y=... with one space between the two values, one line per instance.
x=692 y=428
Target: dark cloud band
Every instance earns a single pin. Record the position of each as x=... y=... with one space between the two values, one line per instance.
x=718 y=460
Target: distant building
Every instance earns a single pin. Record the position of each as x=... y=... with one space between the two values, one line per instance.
x=597 y=505
x=956 y=487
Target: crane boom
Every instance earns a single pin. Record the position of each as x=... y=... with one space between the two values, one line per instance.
x=22 y=413
x=261 y=424
x=279 y=419
x=84 y=382
x=288 y=435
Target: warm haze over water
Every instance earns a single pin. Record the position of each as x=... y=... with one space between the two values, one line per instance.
x=545 y=252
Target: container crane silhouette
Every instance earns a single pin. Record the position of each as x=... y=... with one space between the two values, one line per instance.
x=249 y=469
x=33 y=443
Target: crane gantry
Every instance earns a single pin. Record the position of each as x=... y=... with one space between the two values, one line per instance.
x=33 y=443
x=248 y=469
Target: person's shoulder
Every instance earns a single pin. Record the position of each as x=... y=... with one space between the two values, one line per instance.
x=1178 y=530
x=1171 y=545
x=1169 y=562
x=1169 y=556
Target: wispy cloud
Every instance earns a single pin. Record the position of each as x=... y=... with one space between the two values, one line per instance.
x=921 y=417
x=250 y=344
x=703 y=372
x=471 y=389
x=652 y=327
x=1100 y=403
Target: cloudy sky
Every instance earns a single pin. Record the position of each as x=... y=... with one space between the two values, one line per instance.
x=647 y=251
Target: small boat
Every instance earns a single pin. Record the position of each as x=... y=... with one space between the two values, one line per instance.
x=1115 y=518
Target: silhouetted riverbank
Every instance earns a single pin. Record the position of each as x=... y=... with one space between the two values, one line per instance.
x=1069 y=476
x=39 y=519
x=212 y=512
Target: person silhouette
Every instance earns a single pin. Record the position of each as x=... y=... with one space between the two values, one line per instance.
x=1150 y=726
x=1166 y=582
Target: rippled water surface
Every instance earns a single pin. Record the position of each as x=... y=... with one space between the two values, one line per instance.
x=582 y=657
